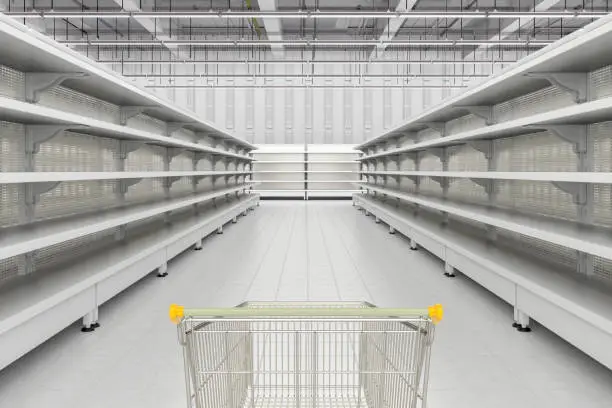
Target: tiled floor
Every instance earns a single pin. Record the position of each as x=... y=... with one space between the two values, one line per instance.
x=305 y=251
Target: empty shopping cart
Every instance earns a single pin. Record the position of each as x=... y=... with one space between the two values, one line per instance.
x=306 y=355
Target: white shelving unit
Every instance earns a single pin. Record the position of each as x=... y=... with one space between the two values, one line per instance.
x=511 y=183
x=306 y=172
x=101 y=183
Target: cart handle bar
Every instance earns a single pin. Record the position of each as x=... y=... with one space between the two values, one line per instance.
x=177 y=313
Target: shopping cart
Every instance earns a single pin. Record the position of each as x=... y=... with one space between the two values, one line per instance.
x=306 y=355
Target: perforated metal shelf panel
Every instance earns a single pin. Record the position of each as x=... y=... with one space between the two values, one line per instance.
x=540 y=101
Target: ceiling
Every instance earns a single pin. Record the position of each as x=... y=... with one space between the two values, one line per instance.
x=185 y=30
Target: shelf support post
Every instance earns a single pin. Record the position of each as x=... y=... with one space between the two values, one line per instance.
x=487 y=147
x=449 y=270
x=162 y=271
x=443 y=154
x=521 y=320
x=38 y=82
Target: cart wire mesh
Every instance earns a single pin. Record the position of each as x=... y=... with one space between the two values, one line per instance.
x=331 y=355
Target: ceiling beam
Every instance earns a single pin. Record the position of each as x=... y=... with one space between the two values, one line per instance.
x=513 y=27
x=392 y=27
x=273 y=27
x=148 y=24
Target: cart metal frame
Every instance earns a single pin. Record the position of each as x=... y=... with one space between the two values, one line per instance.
x=306 y=355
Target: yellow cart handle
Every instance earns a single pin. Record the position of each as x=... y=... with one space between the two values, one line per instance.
x=176 y=312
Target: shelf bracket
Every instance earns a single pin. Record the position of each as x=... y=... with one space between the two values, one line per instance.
x=125 y=148
x=172 y=127
x=482 y=111
x=128 y=146
x=128 y=112
x=210 y=137
x=442 y=181
x=439 y=127
x=38 y=82
x=578 y=191
x=199 y=156
x=35 y=135
x=197 y=179
x=33 y=191
x=483 y=146
x=38 y=134
x=171 y=153
x=37 y=189
x=574 y=134
x=169 y=181
x=125 y=184
x=440 y=152
x=175 y=151
x=486 y=184
x=575 y=83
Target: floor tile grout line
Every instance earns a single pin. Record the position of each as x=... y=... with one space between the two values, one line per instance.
x=291 y=235
x=263 y=257
x=307 y=245
x=331 y=264
x=355 y=266
x=264 y=227
x=396 y=250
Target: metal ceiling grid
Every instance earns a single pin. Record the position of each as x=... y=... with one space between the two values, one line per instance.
x=305 y=28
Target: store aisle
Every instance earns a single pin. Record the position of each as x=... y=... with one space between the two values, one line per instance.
x=305 y=251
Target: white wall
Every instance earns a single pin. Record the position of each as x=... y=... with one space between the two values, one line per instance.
x=268 y=114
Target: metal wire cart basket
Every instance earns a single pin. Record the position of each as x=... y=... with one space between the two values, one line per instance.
x=315 y=355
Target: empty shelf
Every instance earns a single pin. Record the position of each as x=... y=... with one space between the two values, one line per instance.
x=590 y=239
x=42 y=177
x=567 y=177
x=12 y=110
x=589 y=112
x=26 y=238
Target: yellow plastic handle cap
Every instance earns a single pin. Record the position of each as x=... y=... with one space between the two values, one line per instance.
x=176 y=313
x=436 y=312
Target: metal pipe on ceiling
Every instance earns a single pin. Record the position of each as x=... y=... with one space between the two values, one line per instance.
x=306 y=62
x=532 y=43
x=314 y=14
x=305 y=86
x=331 y=76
